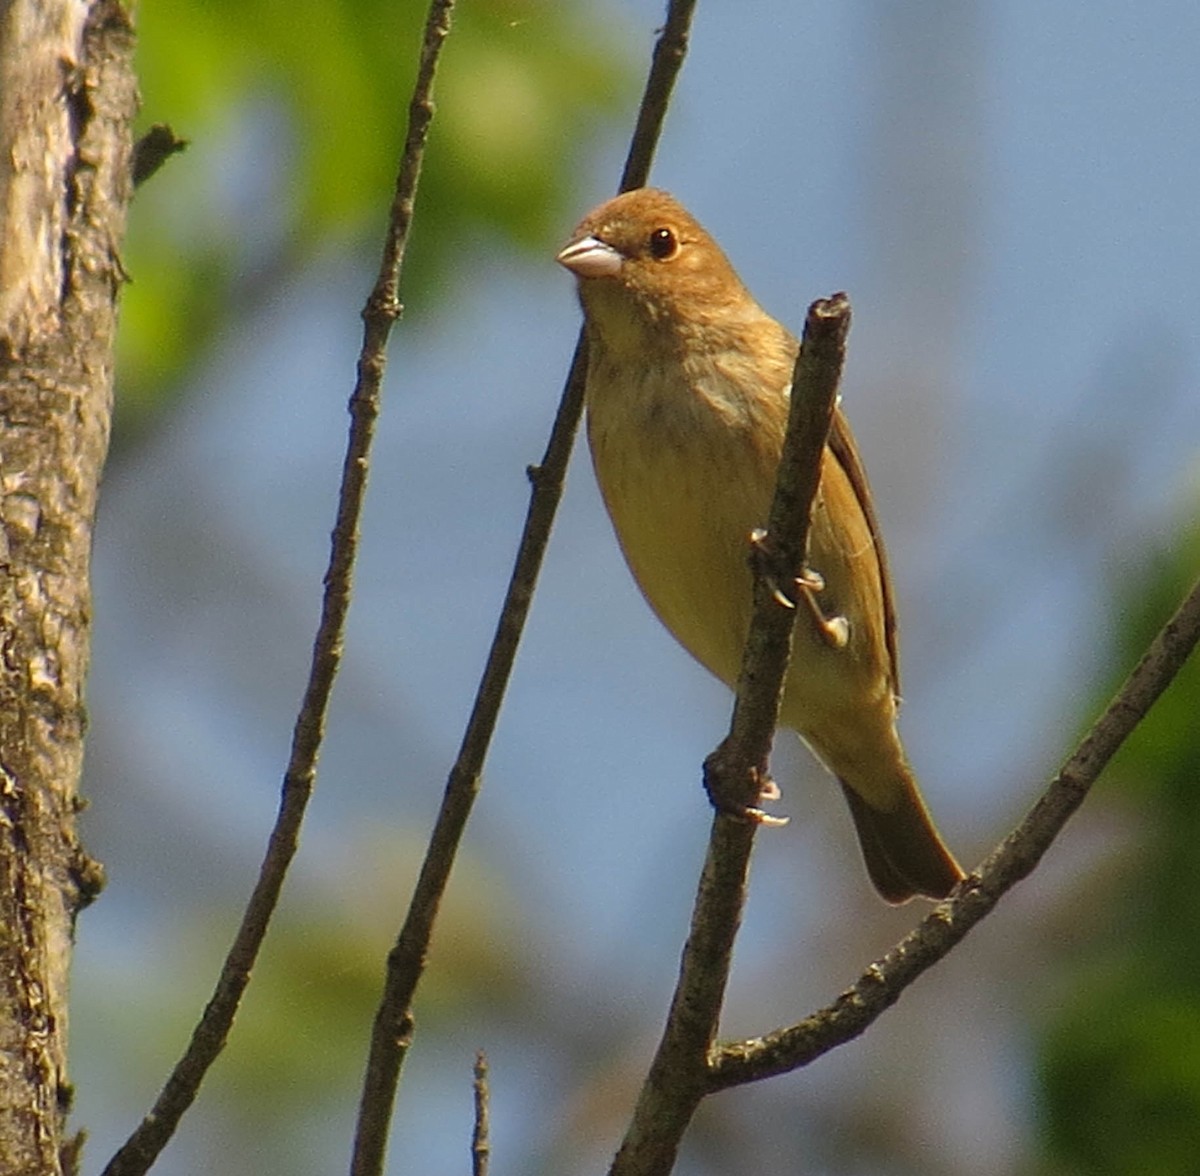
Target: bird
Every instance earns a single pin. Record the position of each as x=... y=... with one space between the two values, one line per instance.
x=687 y=392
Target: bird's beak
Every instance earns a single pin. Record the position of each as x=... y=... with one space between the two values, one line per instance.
x=590 y=257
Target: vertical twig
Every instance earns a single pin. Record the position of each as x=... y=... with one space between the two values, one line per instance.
x=678 y=1076
x=481 y=1147
x=381 y=311
x=391 y=1033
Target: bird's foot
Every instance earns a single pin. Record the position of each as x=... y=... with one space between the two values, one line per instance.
x=834 y=630
x=810 y=580
x=764 y=562
x=728 y=793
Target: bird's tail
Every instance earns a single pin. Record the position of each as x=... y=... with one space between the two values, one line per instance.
x=903 y=851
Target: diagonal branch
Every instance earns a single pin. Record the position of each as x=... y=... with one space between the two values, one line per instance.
x=382 y=309
x=881 y=984
x=391 y=1034
x=678 y=1077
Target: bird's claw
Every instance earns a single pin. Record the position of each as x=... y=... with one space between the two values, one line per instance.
x=809 y=580
x=751 y=814
x=762 y=559
x=757 y=816
x=835 y=630
x=717 y=785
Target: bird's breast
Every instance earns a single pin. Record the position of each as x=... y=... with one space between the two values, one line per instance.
x=686 y=473
x=687 y=466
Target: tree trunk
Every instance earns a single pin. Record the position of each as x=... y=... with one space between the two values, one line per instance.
x=67 y=99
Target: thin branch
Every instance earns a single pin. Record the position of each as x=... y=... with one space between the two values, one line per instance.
x=481 y=1147
x=881 y=984
x=381 y=311
x=669 y=51
x=391 y=1033
x=678 y=1076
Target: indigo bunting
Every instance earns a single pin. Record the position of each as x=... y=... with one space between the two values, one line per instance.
x=687 y=399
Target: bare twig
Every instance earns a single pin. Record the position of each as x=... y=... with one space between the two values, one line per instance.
x=391 y=1033
x=669 y=51
x=881 y=984
x=481 y=1148
x=678 y=1076
x=381 y=311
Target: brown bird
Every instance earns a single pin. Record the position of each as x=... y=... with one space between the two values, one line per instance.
x=687 y=399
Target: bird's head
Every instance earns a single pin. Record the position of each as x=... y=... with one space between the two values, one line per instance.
x=646 y=267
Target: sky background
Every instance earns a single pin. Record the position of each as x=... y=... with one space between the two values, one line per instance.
x=1009 y=193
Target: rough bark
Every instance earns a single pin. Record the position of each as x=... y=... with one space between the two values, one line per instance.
x=67 y=98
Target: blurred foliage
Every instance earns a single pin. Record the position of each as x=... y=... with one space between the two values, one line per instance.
x=295 y=114
x=294 y=1063
x=1120 y=1058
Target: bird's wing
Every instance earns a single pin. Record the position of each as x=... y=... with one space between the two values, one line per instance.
x=843 y=448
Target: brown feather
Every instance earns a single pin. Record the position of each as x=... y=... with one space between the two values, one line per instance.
x=903 y=853
x=843 y=447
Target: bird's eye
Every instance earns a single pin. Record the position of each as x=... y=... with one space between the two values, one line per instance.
x=663 y=244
